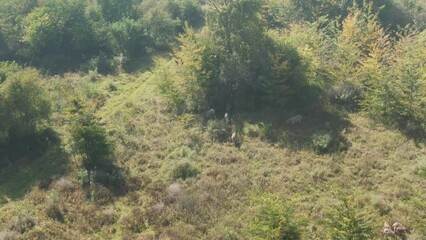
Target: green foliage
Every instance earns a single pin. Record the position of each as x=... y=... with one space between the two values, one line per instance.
x=345 y=95
x=90 y=140
x=58 y=27
x=267 y=132
x=219 y=130
x=24 y=110
x=350 y=222
x=184 y=171
x=159 y=25
x=54 y=212
x=274 y=219
x=83 y=177
x=286 y=78
x=240 y=44
x=134 y=221
x=322 y=141
x=280 y=13
x=115 y=10
x=186 y=11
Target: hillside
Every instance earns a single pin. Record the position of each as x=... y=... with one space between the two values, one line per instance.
x=380 y=172
x=185 y=119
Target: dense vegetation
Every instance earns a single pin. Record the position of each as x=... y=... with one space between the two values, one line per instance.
x=212 y=119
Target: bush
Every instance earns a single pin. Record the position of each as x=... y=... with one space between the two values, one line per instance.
x=322 y=141
x=134 y=221
x=90 y=140
x=345 y=95
x=100 y=194
x=24 y=111
x=113 y=179
x=23 y=224
x=54 y=212
x=184 y=171
x=219 y=130
x=350 y=222
x=275 y=219
x=83 y=177
x=267 y=132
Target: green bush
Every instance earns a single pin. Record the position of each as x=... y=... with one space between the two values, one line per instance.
x=100 y=194
x=83 y=177
x=54 y=212
x=218 y=130
x=113 y=179
x=184 y=171
x=322 y=141
x=24 y=112
x=267 y=132
x=90 y=140
x=348 y=222
x=344 y=95
x=135 y=221
x=274 y=219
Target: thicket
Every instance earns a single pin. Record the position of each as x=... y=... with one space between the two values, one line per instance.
x=249 y=56
x=24 y=112
x=60 y=36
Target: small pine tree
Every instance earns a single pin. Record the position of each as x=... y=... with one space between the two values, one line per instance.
x=348 y=222
x=275 y=219
x=90 y=140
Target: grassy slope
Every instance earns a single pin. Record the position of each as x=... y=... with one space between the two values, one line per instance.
x=379 y=170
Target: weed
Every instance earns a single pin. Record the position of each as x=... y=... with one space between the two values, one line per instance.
x=184 y=171
x=218 y=130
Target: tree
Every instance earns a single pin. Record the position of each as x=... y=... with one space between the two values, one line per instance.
x=58 y=27
x=348 y=222
x=275 y=219
x=90 y=140
x=25 y=109
x=25 y=103
x=238 y=33
x=115 y=10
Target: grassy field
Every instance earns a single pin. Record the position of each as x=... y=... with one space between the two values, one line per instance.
x=181 y=184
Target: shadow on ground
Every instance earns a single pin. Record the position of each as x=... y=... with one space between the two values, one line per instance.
x=18 y=178
x=316 y=121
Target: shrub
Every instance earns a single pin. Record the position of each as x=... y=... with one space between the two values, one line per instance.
x=267 y=132
x=184 y=171
x=83 y=177
x=54 y=212
x=90 y=140
x=134 y=221
x=252 y=131
x=23 y=224
x=275 y=219
x=345 y=95
x=322 y=141
x=106 y=217
x=24 y=110
x=100 y=194
x=113 y=179
x=218 y=130
x=350 y=222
